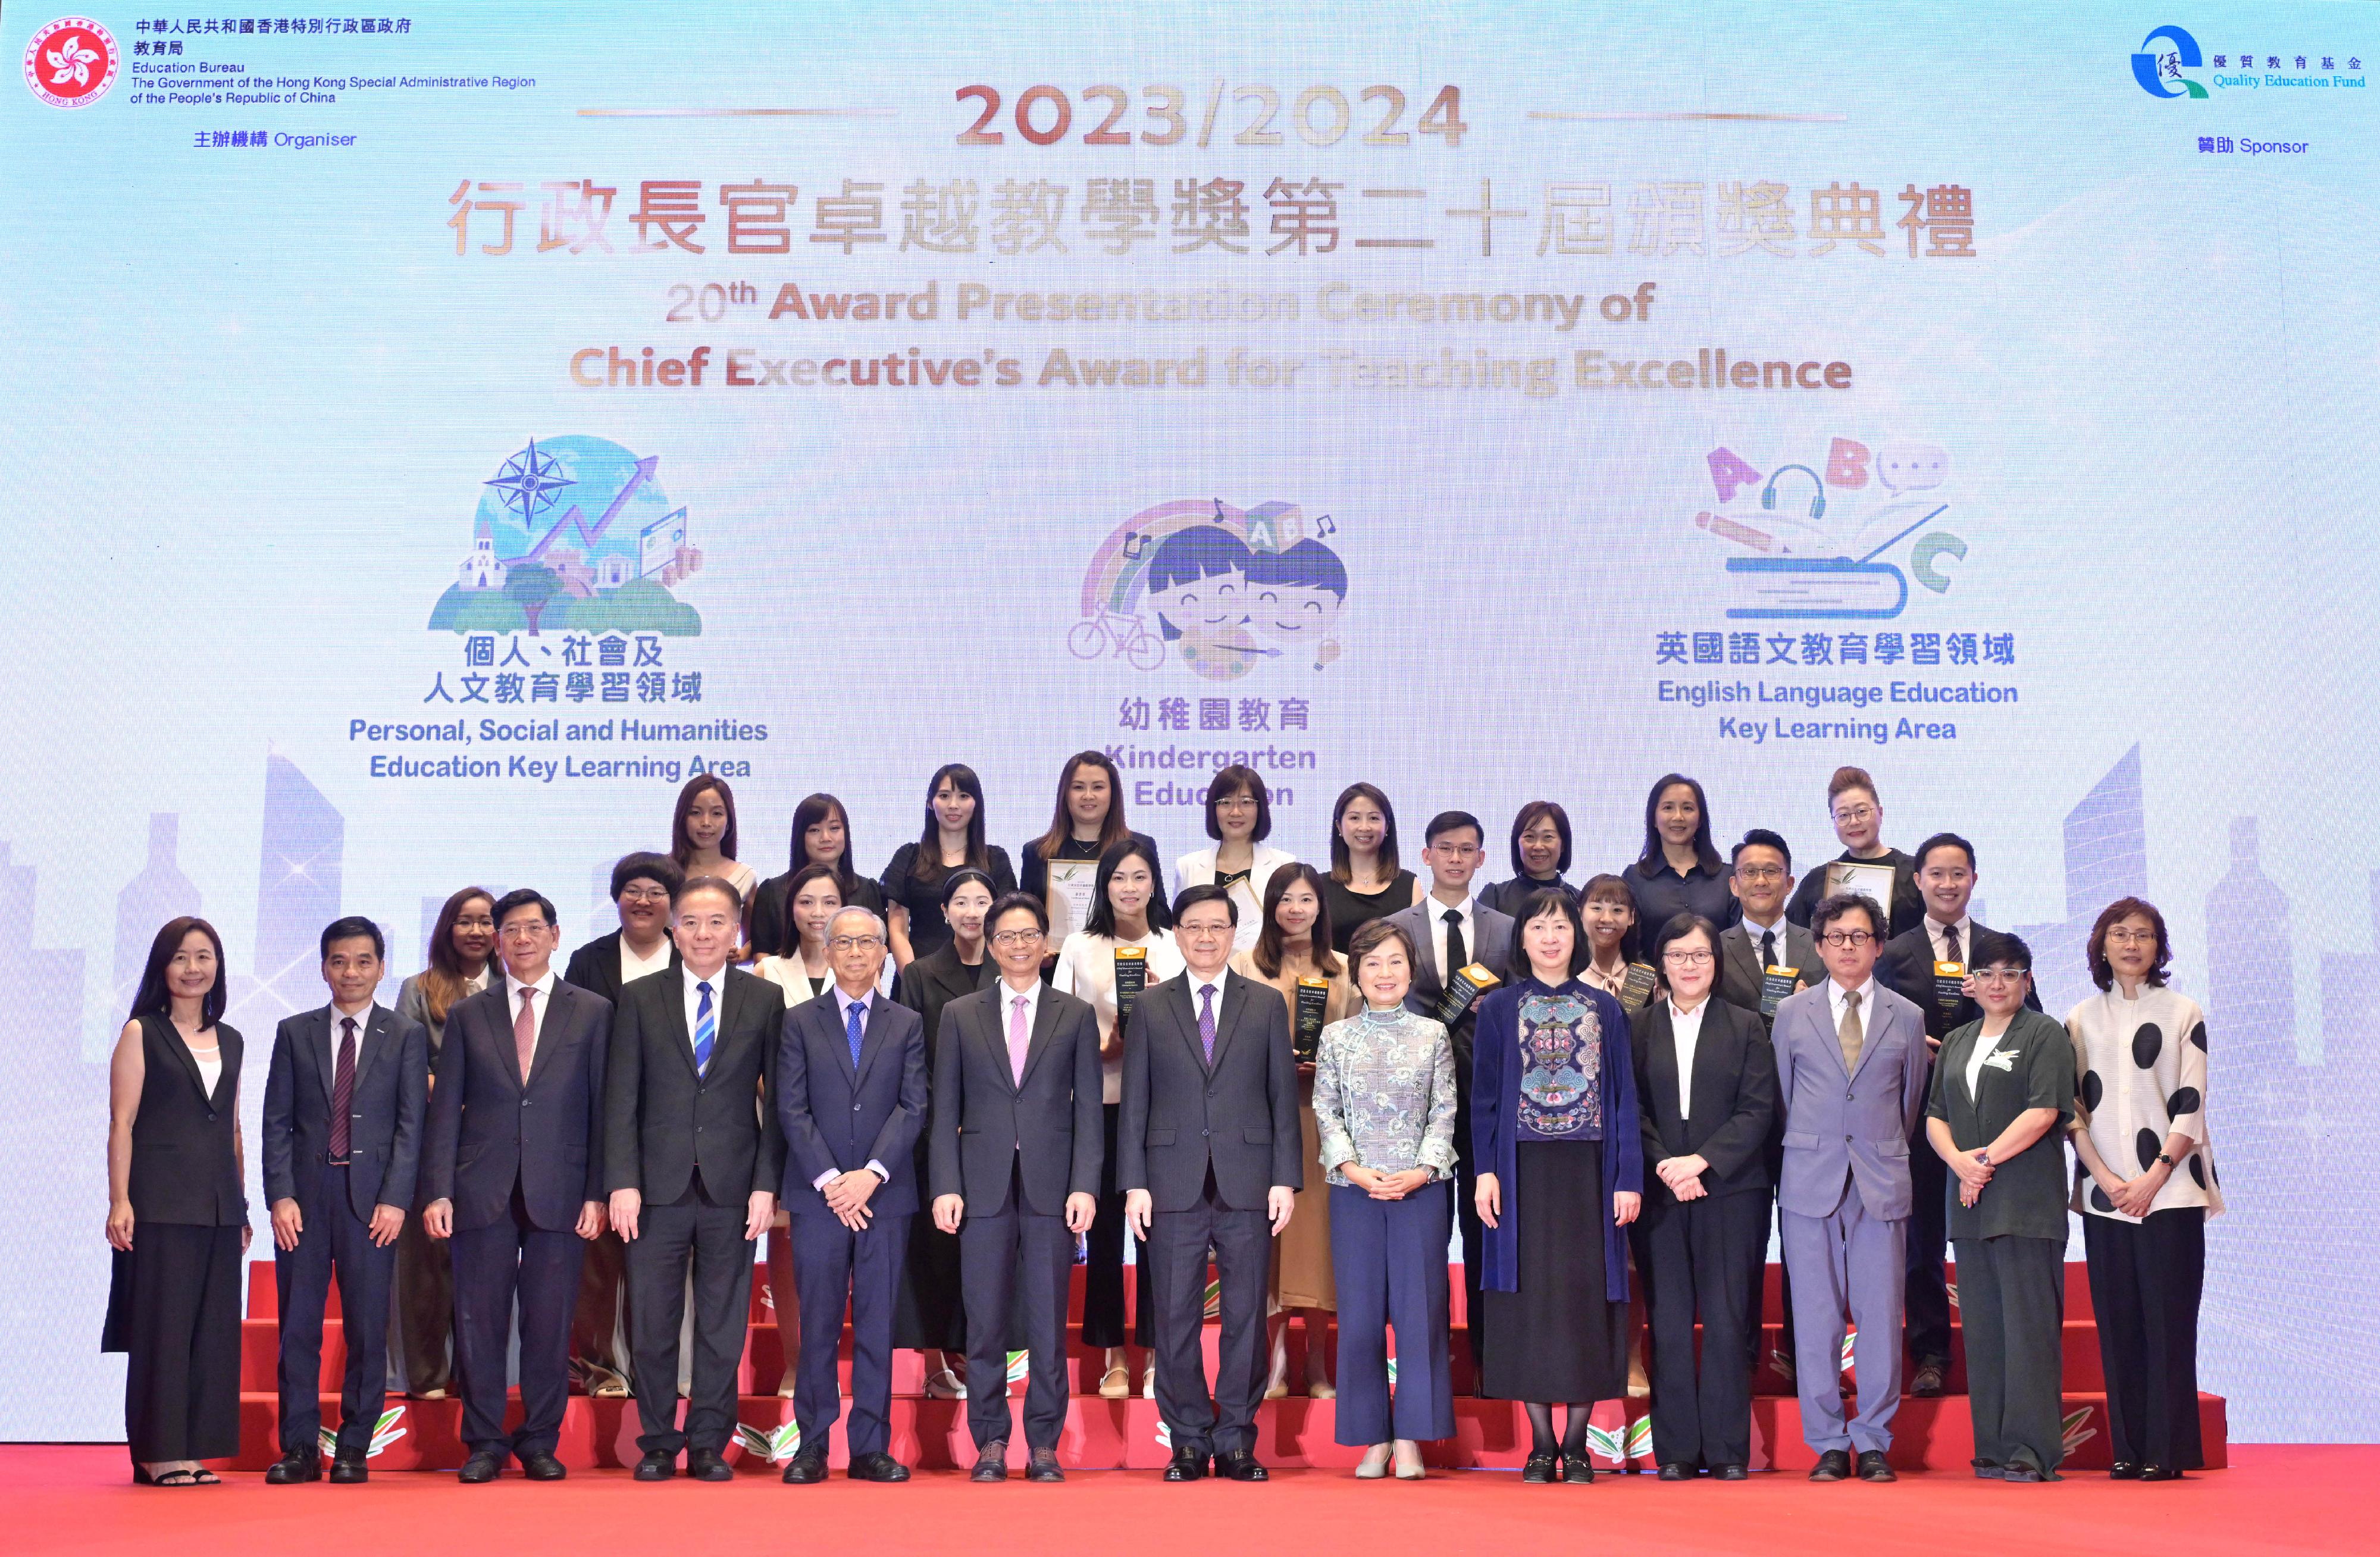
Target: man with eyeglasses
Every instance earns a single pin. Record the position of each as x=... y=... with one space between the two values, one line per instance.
x=851 y=1097
x=1015 y=1153
x=1851 y=1071
x=1212 y=1158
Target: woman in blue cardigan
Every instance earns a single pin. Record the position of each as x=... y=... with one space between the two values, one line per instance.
x=1555 y=1133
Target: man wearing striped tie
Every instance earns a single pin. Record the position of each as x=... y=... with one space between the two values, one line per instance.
x=691 y=1158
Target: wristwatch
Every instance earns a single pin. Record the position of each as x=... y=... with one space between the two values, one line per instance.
x=1983 y=1159
x=2165 y=1158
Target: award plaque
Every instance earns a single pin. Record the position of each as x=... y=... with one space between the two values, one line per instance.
x=1949 y=986
x=1775 y=983
x=1463 y=991
x=1131 y=978
x=1636 y=990
x=1305 y=1035
x=1068 y=896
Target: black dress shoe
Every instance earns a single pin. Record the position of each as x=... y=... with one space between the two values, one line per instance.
x=485 y=1465
x=2161 y=1473
x=540 y=1465
x=1674 y=1472
x=877 y=1465
x=1241 y=1465
x=1578 y=1470
x=347 y=1470
x=2123 y=1470
x=990 y=1462
x=1540 y=1467
x=1045 y=1466
x=1187 y=1464
x=805 y=1469
x=298 y=1465
x=709 y=1465
x=1873 y=1468
x=1835 y=1465
x=1731 y=1473
x=657 y=1466
x=1926 y=1384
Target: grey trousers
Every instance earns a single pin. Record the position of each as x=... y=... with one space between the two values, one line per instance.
x=1848 y=1260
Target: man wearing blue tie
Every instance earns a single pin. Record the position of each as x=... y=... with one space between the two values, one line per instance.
x=692 y=1158
x=851 y=1098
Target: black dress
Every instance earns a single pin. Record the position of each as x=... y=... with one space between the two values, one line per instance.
x=922 y=895
x=1506 y=897
x=928 y=1311
x=174 y=1301
x=1350 y=910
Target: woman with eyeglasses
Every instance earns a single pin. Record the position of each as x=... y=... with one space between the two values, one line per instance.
x=2003 y=1093
x=1858 y=817
x=1540 y=854
x=1707 y=1100
x=1239 y=817
x=2140 y=1134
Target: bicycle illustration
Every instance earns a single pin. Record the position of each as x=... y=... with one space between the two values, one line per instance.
x=1124 y=635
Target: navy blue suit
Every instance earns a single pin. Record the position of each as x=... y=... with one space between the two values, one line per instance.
x=838 y=1117
x=519 y=1157
x=336 y=1203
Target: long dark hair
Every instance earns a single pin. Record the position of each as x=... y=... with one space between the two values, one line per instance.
x=791 y=946
x=814 y=810
x=682 y=847
x=1529 y=816
x=1342 y=863
x=928 y=866
x=1100 y=920
x=1270 y=941
x=1061 y=821
x=156 y=999
x=442 y=982
x=1706 y=852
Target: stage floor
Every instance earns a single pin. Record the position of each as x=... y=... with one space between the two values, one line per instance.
x=2273 y=1499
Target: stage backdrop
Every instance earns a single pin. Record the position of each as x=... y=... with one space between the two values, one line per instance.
x=431 y=436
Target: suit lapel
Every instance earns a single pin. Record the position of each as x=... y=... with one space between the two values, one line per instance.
x=991 y=1035
x=1186 y=1008
x=322 y=1041
x=1702 y=1087
x=1661 y=1064
x=674 y=1018
x=830 y=1018
x=368 y=1044
x=548 y=1032
x=871 y=1041
x=1226 y=1015
x=188 y=1063
x=1872 y=1028
x=1433 y=978
x=731 y=1000
x=1045 y=1023
x=1738 y=945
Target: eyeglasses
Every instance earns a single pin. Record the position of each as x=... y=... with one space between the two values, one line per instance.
x=1236 y=803
x=1015 y=937
x=1686 y=959
x=1760 y=873
x=1855 y=813
x=2124 y=935
x=644 y=895
x=1999 y=975
x=1843 y=938
x=1204 y=929
x=855 y=942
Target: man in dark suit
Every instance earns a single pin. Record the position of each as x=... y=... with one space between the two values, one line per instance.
x=343 y=1123
x=1212 y=1158
x=1015 y=1154
x=693 y=1156
x=1452 y=929
x=1927 y=964
x=514 y=1173
x=1761 y=878
x=851 y=1097
x=644 y=894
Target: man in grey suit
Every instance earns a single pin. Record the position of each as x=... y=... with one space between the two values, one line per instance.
x=1851 y=1067
x=1452 y=929
x=1211 y=1157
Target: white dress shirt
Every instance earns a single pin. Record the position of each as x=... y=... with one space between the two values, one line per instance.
x=1753 y=930
x=635 y=967
x=1686 y=1030
x=544 y=988
x=363 y=1015
x=842 y=1005
x=1436 y=909
x=717 y=982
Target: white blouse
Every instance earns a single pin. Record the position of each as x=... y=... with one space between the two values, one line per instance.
x=1197 y=869
x=2140 y=1076
x=789 y=975
x=1086 y=970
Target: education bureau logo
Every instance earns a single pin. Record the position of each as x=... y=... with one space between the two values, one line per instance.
x=71 y=63
x=1225 y=589
x=2159 y=69
x=573 y=535
x=1840 y=538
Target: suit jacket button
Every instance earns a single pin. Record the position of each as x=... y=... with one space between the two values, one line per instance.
x=855 y=1108
x=1206 y=1132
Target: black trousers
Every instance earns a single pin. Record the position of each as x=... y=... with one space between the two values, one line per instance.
x=1926 y=1301
x=1017 y=1259
x=1178 y=1242
x=179 y=1304
x=693 y=1228
x=2011 y=1303
x=832 y=1265
x=1701 y=1259
x=333 y=1241
x=601 y=1326
x=513 y=1257
x=421 y=1308
x=2145 y=1282
x=1103 y=1320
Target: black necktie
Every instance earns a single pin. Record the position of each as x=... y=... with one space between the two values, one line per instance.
x=1768 y=950
x=1950 y=942
x=1455 y=954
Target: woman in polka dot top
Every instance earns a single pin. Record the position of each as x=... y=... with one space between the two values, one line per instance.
x=2145 y=1184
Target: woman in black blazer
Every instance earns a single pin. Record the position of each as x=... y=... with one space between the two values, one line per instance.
x=177 y=1211
x=1707 y=1091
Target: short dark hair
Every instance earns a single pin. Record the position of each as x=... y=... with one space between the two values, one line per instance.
x=1552 y=900
x=961 y=877
x=1830 y=910
x=1999 y=946
x=1205 y=891
x=1371 y=935
x=710 y=884
x=155 y=998
x=1010 y=902
x=1529 y=816
x=2102 y=973
x=1447 y=822
x=353 y=927
x=646 y=867
x=1100 y=920
x=1239 y=777
x=1678 y=929
x=1943 y=841
x=525 y=897
x=1762 y=839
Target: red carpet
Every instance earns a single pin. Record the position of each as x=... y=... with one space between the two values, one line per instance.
x=2273 y=1499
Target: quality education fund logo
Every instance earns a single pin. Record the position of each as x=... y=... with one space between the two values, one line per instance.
x=71 y=63
x=2159 y=70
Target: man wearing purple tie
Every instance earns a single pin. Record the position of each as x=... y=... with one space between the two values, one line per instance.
x=1212 y=1158
x=1014 y=1158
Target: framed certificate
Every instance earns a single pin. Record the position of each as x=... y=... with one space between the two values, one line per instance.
x=1068 y=896
x=1869 y=879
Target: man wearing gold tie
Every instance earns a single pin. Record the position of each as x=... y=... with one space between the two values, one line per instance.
x=1851 y=1067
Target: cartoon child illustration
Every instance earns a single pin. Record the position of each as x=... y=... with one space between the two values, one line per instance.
x=1198 y=589
x=1296 y=597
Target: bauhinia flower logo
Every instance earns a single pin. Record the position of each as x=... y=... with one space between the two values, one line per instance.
x=71 y=62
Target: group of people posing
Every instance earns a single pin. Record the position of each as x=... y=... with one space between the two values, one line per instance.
x=935 y=1093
